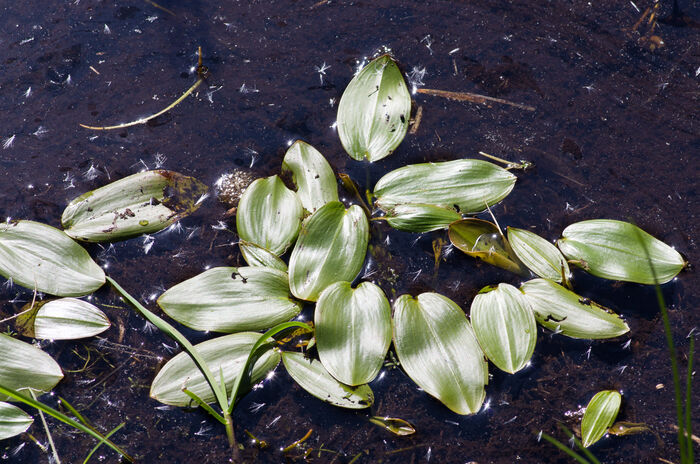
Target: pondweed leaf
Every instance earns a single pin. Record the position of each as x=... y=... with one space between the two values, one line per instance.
x=482 y=239
x=331 y=247
x=24 y=366
x=311 y=173
x=41 y=257
x=394 y=425
x=467 y=185
x=62 y=319
x=615 y=250
x=13 y=420
x=600 y=414
x=565 y=312
x=142 y=203
x=438 y=350
x=374 y=110
x=229 y=299
x=353 y=331
x=315 y=379
x=269 y=215
x=505 y=326
x=421 y=218
x=256 y=255
x=539 y=255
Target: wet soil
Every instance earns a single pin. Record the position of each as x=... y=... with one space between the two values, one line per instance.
x=614 y=135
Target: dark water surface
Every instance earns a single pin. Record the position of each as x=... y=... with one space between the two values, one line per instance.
x=614 y=135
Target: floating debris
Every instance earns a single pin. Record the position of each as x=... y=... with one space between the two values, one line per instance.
x=472 y=97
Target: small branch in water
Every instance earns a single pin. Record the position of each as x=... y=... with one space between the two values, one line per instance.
x=472 y=97
x=416 y=121
x=298 y=442
x=160 y=7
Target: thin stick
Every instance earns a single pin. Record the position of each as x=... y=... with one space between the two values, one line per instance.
x=416 y=121
x=298 y=442
x=48 y=432
x=160 y=7
x=472 y=97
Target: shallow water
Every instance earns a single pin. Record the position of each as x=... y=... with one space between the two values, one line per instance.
x=614 y=135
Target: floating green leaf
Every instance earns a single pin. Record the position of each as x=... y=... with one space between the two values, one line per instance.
x=374 y=110
x=256 y=255
x=468 y=185
x=565 y=312
x=483 y=240
x=600 y=414
x=331 y=248
x=62 y=319
x=226 y=354
x=13 y=420
x=229 y=299
x=24 y=366
x=505 y=326
x=353 y=331
x=437 y=349
x=142 y=203
x=315 y=379
x=616 y=250
x=311 y=173
x=541 y=256
x=421 y=218
x=269 y=215
x=41 y=257
x=394 y=425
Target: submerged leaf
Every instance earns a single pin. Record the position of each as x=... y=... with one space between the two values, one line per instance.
x=62 y=319
x=13 y=420
x=142 y=203
x=565 y=312
x=229 y=299
x=394 y=425
x=226 y=354
x=600 y=414
x=421 y=218
x=353 y=331
x=505 y=326
x=483 y=240
x=331 y=248
x=542 y=257
x=311 y=173
x=437 y=348
x=24 y=366
x=374 y=110
x=256 y=255
x=38 y=256
x=315 y=379
x=617 y=250
x=468 y=185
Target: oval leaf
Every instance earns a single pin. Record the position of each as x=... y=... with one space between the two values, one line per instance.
x=616 y=250
x=13 y=420
x=225 y=355
x=331 y=248
x=63 y=319
x=374 y=110
x=600 y=414
x=421 y=218
x=467 y=184
x=256 y=255
x=394 y=425
x=542 y=257
x=353 y=331
x=269 y=215
x=142 y=203
x=38 y=256
x=229 y=299
x=438 y=350
x=505 y=326
x=315 y=379
x=24 y=366
x=483 y=240
x=311 y=173
x=565 y=312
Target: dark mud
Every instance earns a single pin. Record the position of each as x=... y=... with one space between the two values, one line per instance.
x=614 y=135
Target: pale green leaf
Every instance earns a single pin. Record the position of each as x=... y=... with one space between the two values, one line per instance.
x=600 y=414
x=438 y=350
x=539 y=255
x=421 y=218
x=13 y=420
x=331 y=248
x=256 y=255
x=467 y=185
x=505 y=326
x=315 y=379
x=41 y=257
x=616 y=250
x=353 y=331
x=269 y=215
x=226 y=354
x=394 y=425
x=311 y=173
x=62 y=319
x=374 y=110
x=142 y=203
x=565 y=312
x=482 y=239
x=229 y=299
x=24 y=366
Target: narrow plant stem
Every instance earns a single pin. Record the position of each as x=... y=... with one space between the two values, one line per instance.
x=97 y=446
x=577 y=457
x=204 y=405
x=235 y=452
x=48 y=432
x=688 y=401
